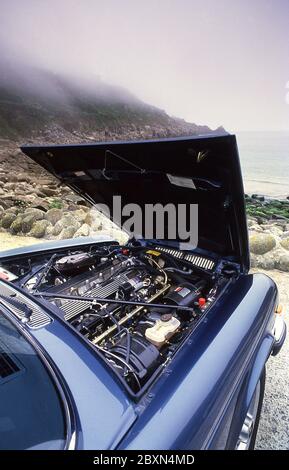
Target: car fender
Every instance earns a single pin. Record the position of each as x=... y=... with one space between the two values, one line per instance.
x=229 y=348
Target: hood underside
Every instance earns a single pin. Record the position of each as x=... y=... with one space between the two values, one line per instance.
x=202 y=170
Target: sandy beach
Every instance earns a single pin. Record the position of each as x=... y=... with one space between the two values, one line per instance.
x=8 y=241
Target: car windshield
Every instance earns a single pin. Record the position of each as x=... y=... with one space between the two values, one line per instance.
x=31 y=413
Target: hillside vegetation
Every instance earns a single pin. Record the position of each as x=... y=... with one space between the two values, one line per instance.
x=37 y=104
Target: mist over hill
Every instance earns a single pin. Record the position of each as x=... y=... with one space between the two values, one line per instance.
x=39 y=105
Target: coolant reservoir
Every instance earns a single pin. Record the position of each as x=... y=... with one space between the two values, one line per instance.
x=164 y=328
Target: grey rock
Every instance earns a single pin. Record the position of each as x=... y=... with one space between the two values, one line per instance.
x=27 y=222
x=261 y=243
x=282 y=262
x=13 y=210
x=66 y=221
x=67 y=232
x=8 y=219
x=74 y=198
x=37 y=214
x=251 y=222
x=53 y=215
x=274 y=230
x=40 y=194
x=83 y=231
x=23 y=177
x=285 y=243
x=16 y=226
x=10 y=186
x=39 y=228
x=266 y=261
x=94 y=218
x=72 y=207
x=256 y=228
x=80 y=215
x=46 y=191
x=285 y=234
x=41 y=204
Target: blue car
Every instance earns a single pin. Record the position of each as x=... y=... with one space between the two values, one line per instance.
x=160 y=342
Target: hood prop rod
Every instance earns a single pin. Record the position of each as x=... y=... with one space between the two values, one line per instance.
x=111 y=301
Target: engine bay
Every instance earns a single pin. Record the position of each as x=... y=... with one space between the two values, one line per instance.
x=134 y=304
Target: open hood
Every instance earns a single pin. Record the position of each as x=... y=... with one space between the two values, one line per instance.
x=202 y=170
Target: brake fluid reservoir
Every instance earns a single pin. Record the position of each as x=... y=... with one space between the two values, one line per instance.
x=163 y=329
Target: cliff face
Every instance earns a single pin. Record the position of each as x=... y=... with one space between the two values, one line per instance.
x=36 y=105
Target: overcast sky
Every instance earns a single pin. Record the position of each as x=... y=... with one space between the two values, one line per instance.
x=215 y=62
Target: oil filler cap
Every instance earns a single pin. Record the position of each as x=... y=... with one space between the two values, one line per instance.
x=166 y=317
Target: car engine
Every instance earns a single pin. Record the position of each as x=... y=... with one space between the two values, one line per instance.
x=135 y=305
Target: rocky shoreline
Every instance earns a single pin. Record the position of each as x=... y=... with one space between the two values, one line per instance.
x=34 y=204
x=268 y=225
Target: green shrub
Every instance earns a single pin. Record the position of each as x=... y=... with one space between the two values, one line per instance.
x=56 y=204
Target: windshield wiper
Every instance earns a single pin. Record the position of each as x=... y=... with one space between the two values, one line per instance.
x=23 y=308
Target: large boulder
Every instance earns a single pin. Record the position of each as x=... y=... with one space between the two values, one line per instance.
x=27 y=222
x=37 y=214
x=66 y=221
x=23 y=177
x=266 y=261
x=273 y=230
x=8 y=219
x=12 y=209
x=285 y=243
x=10 y=186
x=256 y=228
x=261 y=243
x=95 y=219
x=251 y=222
x=39 y=203
x=54 y=215
x=47 y=191
x=83 y=231
x=80 y=215
x=39 y=228
x=83 y=208
x=16 y=226
x=282 y=262
x=67 y=232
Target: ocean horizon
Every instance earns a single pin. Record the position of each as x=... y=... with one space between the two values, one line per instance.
x=264 y=160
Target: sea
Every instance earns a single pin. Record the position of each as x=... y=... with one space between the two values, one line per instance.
x=264 y=160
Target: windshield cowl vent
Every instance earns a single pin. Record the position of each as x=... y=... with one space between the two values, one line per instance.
x=196 y=260
x=38 y=317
